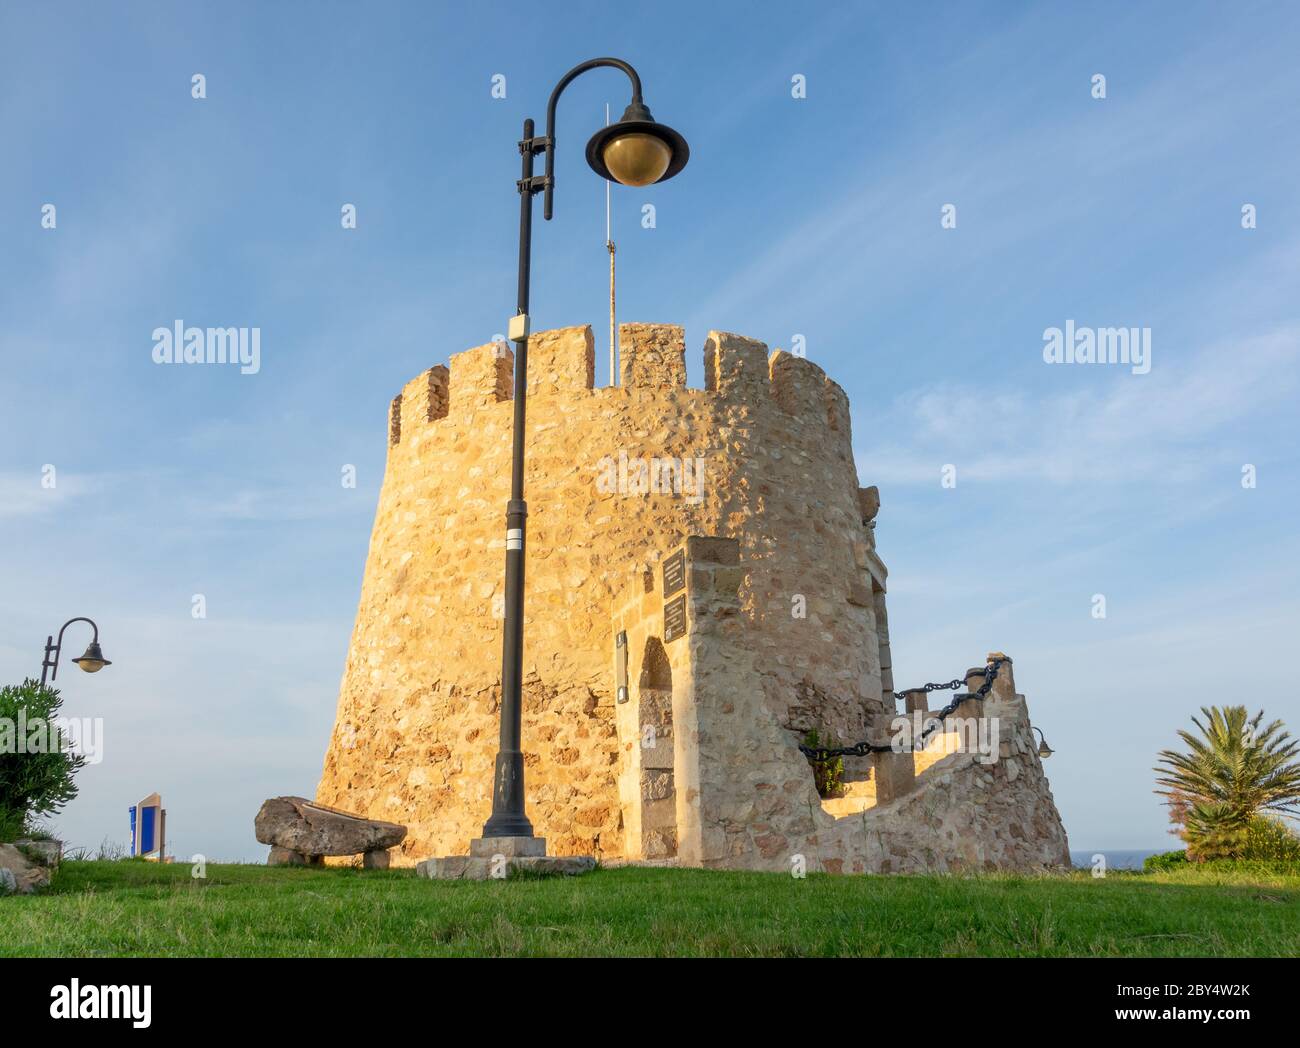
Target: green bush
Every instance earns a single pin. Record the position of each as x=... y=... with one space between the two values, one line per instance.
x=11 y=826
x=828 y=775
x=1268 y=846
x=38 y=783
x=1171 y=860
x=1269 y=839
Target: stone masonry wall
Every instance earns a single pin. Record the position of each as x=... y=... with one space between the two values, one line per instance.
x=745 y=796
x=964 y=812
x=765 y=456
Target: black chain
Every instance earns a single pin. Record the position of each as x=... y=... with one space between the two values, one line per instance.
x=818 y=754
x=956 y=682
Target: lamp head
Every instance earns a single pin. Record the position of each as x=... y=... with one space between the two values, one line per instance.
x=93 y=660
x=1044 y=750
x=636 y=151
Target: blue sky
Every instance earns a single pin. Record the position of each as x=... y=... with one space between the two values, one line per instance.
x=818 y=217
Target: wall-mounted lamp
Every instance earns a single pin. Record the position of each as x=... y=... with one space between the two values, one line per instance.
x=92 y=661
x=1044 y=750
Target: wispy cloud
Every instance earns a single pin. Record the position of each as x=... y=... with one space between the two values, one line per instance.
x=1129 y=428
x=24 y=494
x=1036 y=176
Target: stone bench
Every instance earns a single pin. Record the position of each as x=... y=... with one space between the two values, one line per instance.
x=302 y=832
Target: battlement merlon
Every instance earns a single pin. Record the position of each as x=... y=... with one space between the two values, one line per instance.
x=561 y=361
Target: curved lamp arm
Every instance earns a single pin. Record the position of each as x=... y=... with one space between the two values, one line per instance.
x=55 y=648
x=79 y=618
x=565 y=81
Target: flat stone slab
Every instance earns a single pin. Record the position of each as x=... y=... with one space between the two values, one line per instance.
x=296 y=824
x=510 y=847
x=474 y=868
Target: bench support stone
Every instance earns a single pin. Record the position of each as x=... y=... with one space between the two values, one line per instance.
x=288 y=857
x=375 y=860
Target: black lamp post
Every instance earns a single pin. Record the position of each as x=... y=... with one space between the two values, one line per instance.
x=636 y=151
x=92 y=661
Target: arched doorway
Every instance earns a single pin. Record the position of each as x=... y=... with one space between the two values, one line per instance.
x=655 y=722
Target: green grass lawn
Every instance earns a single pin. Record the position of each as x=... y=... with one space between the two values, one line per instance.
x=136 y=908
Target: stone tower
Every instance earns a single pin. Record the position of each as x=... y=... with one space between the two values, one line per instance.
x=702 y=591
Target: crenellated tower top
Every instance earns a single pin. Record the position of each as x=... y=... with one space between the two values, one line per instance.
x=739 y=376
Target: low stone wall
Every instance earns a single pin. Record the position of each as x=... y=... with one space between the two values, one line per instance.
x=965 y=812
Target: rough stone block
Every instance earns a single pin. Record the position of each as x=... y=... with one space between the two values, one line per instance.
x=424 y=400
x=895 y=775
x=45 y=852
x=860 y=594
x=481 y=376
x=712 y=550
x=553 y=865
x=727 y=581
x=700 y=579
x=454 y=868
x=510 y=847
x=21 y=873
x=395 y=421
x=838 y=416
x=659 y=815
x=561 y=361
x=869 y=503
x=299 y=825
x=658 y=844
x=799 y=386
x=471 y=868
x=652 y=356
x=736 y=367
x=288 y=857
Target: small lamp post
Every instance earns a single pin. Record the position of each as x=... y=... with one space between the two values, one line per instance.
x=635 y=151
x=1044 y=750
x=92 y=661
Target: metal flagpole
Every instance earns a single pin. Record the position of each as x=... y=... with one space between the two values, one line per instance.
x=609 y=244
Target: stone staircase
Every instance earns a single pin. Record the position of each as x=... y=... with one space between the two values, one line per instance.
x=941 y=745
x=859 y=795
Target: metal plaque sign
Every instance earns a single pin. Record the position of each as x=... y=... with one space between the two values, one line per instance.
x=674 y=619
x=674 y=573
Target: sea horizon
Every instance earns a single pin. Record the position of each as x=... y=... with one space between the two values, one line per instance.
x=1116 y=858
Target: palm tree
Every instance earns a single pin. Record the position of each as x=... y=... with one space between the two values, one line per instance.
x=1235 y=769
